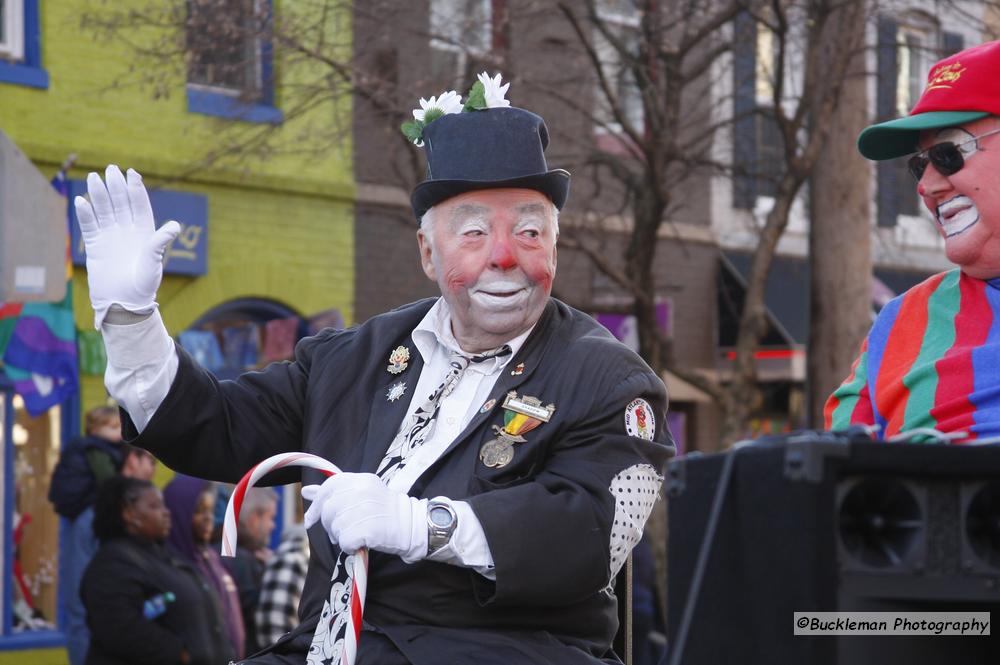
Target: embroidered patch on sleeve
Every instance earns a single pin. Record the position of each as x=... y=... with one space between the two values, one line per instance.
x=639 y=420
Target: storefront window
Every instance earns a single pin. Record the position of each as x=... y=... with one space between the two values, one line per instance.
x=31 y=528
x=250 y=333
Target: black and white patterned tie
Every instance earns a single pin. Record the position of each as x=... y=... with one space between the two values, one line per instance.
x=328 y=640
x=421 y=423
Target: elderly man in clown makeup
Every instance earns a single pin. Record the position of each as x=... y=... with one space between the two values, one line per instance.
x=932 y=358
x=500 y=451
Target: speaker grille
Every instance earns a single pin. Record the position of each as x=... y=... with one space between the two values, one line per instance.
x=982 y=526
x=880 y=524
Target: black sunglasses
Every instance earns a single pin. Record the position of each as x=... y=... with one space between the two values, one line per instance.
x=947 y=158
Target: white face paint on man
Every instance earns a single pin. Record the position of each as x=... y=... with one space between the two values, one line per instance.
x=494 y=257
x=966 y=204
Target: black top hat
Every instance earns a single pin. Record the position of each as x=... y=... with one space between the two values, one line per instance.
x=489 y=149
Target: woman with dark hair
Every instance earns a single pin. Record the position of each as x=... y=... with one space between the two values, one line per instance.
x=143 y=605
x=191 y=502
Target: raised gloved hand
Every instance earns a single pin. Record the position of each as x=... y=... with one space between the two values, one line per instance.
x=124 y=248
x=358 y=510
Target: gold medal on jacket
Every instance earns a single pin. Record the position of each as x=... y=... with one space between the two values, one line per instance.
x=521 y=415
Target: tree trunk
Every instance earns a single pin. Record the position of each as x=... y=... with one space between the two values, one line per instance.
x=742 y=390
x=639 y=257
x=839 y=238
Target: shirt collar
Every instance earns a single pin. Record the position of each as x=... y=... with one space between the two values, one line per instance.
x=434 y=331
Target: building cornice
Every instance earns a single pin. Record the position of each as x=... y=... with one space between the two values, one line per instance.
x=170 y=171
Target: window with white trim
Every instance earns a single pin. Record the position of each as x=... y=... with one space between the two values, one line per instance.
x=758 y=147
x=770 y=144
x=917 y=49
x=461 y=40
x=224 y=43
x=230 y=69
x=622 y=19
x=909 y=43
x=12 y=30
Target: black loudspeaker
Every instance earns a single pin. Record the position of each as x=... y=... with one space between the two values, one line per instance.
x=830 y=522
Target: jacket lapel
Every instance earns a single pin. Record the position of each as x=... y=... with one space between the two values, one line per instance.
x=384 y=417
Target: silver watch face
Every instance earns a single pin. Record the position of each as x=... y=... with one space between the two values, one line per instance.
x=440 y=517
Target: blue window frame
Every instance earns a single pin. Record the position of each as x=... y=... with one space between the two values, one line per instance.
x=21 y=44
x=231 y=71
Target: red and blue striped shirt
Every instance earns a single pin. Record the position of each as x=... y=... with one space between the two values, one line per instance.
x=932 y=359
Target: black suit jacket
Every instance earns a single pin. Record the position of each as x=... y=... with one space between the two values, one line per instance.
x=548 y=516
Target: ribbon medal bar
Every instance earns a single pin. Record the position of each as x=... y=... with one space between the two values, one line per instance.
x=521 y=415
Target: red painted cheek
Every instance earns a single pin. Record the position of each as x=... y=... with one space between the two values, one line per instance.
x=456 y=280
x=540 y=274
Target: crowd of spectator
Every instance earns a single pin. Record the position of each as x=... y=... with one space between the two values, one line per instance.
x=143 y=581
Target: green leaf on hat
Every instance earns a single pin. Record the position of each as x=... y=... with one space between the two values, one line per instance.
x=413 y=130
x=477 y=97
x=432 y=114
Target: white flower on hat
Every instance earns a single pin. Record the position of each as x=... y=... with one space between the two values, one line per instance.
x=493 y=91
x=486 y=93
x=429 y=111
x=435 y=107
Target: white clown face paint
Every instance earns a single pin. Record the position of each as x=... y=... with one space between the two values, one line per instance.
x=966 y=204
x=957 y=215
x=494 y=257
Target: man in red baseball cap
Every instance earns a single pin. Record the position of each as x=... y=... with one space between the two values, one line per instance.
x=932 y=359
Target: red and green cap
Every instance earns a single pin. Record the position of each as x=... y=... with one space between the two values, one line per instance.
x=961 y=88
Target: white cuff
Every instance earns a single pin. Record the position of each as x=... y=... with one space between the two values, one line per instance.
x=142 y=364
x=135 y=345
x=418 y=531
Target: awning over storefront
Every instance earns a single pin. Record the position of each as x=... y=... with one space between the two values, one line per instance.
x=680 y=390
x=785 y=298
x=780 y=355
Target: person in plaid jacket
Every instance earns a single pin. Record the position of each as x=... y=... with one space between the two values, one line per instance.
x=281 y=588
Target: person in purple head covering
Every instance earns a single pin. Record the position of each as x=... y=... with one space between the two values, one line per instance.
x=192 y=504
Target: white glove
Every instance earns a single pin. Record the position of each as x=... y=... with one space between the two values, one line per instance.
x=358 y=510
x=124 y=248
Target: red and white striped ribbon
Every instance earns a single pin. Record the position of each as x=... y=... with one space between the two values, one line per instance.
x=359 y=584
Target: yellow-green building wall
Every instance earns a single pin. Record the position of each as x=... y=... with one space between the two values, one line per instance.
x=279 y=228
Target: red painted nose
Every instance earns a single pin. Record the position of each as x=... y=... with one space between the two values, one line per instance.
x=502 y=257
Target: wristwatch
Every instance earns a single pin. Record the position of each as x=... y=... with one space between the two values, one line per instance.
x=441 y=523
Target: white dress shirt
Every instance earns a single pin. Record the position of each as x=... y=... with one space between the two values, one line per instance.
x=142 y=364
